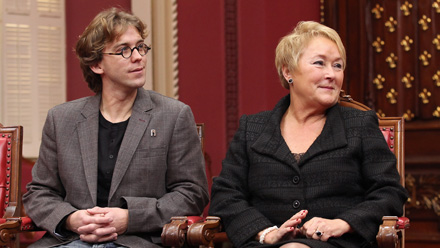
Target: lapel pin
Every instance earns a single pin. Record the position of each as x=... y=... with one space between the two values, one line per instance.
x=153 y=132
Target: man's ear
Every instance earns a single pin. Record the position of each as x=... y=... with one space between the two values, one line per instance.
x=96 y=68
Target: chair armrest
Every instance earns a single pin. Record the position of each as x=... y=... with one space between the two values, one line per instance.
x=391 y=231
x=195 y=230
x=194 y=219
x=402 y=223
x=206 y=233
x=174 y=233
x=9 y=227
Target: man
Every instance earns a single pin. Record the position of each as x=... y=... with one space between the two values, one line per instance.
x=113 y=168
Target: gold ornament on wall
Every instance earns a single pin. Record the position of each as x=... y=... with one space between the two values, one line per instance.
x=408 y=116
x=424 y=22
x=378 y=81
x=322 y=11
x=377 y=11
x=380 y=113
x=436 y=41
x=436 y=112
x=378 y=43
x=436 y=6
x=423 y=191
x=391 y=24
x=406 y=43
x=407 y=80
x=391 y=60
x=425 y=57
x=436 y=78
x=425 y=95
x=406 y=8
x=391 y=96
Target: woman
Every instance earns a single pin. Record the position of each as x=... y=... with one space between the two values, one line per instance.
x=309 y=173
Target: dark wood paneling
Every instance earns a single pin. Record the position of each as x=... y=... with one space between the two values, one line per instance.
x=393 y=57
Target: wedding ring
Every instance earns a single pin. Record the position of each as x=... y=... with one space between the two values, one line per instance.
x=319 y=233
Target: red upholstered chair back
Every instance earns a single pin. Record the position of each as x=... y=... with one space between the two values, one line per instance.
x=12 y=219
x=10 y=164
x=392 y=129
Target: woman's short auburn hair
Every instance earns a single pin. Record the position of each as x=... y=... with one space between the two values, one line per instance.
x=291 y=46
x=107 y=26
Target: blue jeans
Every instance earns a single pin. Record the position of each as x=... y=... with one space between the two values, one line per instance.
x=81 y=244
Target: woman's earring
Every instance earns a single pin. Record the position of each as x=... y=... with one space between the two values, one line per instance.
x=290 y=81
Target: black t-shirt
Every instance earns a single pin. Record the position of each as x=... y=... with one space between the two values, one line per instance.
x=109 y=141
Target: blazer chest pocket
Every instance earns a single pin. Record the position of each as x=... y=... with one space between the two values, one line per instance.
x=151 y=152
x=150 y=158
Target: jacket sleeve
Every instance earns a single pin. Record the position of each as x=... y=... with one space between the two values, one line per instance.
x=44 y=201
x=384 y=195
x=230 y=194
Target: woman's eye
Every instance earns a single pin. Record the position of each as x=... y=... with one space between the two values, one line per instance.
x=319 y=63
x=338 y=65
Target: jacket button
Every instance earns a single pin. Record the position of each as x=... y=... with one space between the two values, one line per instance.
x=295 y=179
x=296 y=204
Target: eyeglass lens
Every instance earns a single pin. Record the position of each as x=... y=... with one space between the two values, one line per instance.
x=142 y=49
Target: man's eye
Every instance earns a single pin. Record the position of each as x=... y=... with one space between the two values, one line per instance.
x=122 y=49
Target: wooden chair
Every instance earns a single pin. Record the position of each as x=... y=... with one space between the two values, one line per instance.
x=11 y=222
x=206 y=232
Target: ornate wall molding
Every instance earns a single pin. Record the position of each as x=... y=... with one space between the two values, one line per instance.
x=165 y=51
x=231 y=71
x=142 y=9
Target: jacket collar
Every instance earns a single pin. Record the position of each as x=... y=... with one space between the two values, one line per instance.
x=137 y=127
x=88 y=127
x=271 y=143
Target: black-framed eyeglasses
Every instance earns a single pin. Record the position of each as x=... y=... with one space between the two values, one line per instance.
x=126 y=52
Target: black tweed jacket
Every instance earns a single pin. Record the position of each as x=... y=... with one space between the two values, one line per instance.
x=348 y=173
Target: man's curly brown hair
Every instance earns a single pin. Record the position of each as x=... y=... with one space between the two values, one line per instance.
x=107 y=26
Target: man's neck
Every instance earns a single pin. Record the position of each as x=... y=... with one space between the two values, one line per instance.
x=116 y=106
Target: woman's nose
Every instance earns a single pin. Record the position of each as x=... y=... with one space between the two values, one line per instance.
x=330 y=72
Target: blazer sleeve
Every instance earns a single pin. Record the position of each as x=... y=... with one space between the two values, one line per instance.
x=44 y=200
x=230 y=194
x=384 y=195
x=186 y=183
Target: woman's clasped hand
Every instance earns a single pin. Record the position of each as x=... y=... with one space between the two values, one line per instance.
x=316 y=228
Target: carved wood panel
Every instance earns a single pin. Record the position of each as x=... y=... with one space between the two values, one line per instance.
x=393 y=66
x=399 y=53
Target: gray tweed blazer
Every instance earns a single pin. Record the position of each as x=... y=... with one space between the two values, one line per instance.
x=155 y=176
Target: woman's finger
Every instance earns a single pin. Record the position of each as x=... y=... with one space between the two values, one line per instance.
x=301 y=215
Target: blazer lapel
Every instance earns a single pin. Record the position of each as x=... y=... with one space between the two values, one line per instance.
x=332 y=136
x=136 y=128
x=88 y=139
x=271 y=142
